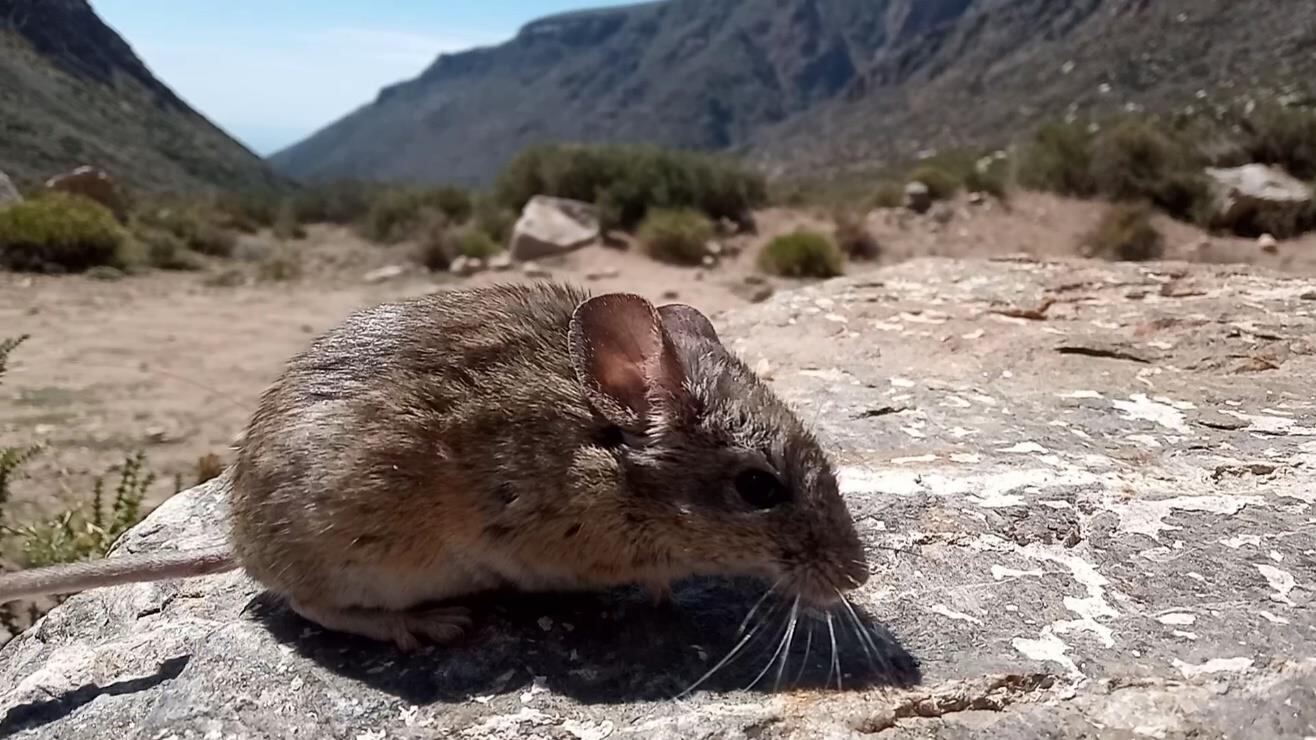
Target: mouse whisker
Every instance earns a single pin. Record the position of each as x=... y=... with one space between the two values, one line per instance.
x=865 y=640
x=757 y=604
x=790 y=638
x=808 y=646
x=733 y=652
x=835 y=666
x=781 y=643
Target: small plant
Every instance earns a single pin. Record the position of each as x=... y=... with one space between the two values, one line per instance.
x=802 y=254
x=476 y=244
x=1137 y=160
x=398 y=214
x=854 y=239
x=493 y=219
x=89 y=530
x=1126 y=233
x=280 y=265
x=1283 y=136
x=11 y=458
x=286 y=226
x=199 y=229
x=941 y=184
x=166 y=251
x=889 y=195
x=678 y=237
x=208 y=467
x=1059 y=160
x=58 y=232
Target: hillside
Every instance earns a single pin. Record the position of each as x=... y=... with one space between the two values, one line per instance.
x=73 y=92
x=805 y=83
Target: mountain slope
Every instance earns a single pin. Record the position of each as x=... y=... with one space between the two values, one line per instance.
x=72 y=92
x=804 y=84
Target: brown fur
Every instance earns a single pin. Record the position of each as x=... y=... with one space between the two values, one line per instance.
x=523 y=435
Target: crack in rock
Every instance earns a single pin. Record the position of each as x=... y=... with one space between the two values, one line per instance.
x=998 y=694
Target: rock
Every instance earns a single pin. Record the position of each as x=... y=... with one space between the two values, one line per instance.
x=1268 y=244
x=709 y=261
x=465 y=266
x=976 y=198
x=384 y=274
x=670 y=295
x=917 y=197
x=8 y=193
x=714 y=248
x=753 y=292
x=1058 y=545
x=92 y=183
x=943 y=213
x=501 y=262
x=105 y=273
x=552 y=226
x=533 y=270
x=606 y=273
x=1247 y=197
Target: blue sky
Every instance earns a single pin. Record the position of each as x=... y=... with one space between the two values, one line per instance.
x=270 y=72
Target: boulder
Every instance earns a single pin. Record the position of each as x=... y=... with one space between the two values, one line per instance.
x=1096 y=523
x=8 y=193
x=917 y=197
x=92 y=183
x=1256 y=197
x=552 y=226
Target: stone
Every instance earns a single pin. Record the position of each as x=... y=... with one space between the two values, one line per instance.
x=551 y=226
x=943 y=213
x=92 y=183
x=977 y=198
x=384 y=274
x=917 y=197
x=501 y=262
x=606 y=273
x=533 y=270
x=1254 y=194
x=8 y=192
x=465 y=266
x=1268 y=244
x=1059 y=549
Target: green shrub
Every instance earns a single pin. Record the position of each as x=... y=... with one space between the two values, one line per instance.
x=476 y=244
x=341 y=202
x=889 y=195
x=1283 y=136
x=58 y=232
x=280 y=265
x=802 y=254
x=626 y=181
x=676 y=236
x=199 y=228
x=166 y=251
x=941 y=184
x=491 y=218
x=436 y=248
x=1125 y=232
x=1137 y=160
x=989 y=176
x=12 y=459
x=854 y=239
x=1059 y=160
x=399 y=213
x=247 y=212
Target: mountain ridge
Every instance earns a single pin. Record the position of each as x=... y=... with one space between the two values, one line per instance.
x=805 y=85
x=73 y=92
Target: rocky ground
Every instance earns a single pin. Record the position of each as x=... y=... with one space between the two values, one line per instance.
x=1086 y=489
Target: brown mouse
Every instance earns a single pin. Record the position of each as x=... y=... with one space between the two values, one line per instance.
x=529 y=436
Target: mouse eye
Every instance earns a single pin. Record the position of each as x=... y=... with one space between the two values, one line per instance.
x=761 y=489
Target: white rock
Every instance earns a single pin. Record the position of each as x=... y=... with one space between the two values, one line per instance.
x=550 y=226
x=384 y=274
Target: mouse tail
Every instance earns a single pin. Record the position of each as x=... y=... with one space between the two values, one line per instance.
x=71 y=578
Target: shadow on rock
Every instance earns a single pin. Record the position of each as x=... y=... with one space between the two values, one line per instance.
x=615 y=647
x=27 y=717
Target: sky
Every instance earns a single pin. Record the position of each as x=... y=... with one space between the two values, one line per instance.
x=270 y=72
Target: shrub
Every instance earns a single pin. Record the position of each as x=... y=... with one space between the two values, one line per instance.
x=854 y=239
x=1136 y=160
x=11 y=458
x=1283 y=136
x=889 y=195
x=1125 y=232
x=398 y=214
x=58 y=232
x=341 y=202
x=989 y=176
x=476 y=244
x=802 y=254
x=247 y=212
x=166 y=251
x=286 y=225
x=280 y=265
x=199 y=228
x=941 y=183
x=1059 y=160
x=491 y=218
x=626 y=181
x=676 y=236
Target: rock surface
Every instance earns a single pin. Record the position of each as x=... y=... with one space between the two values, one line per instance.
x=1087 y=491
x=8 y=192
x=552 y=226
x=92 y=183
x=1255 y=194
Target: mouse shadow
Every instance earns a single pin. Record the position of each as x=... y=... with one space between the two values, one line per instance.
x=617 y=646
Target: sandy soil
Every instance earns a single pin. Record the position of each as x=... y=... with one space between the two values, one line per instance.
x=173 y=363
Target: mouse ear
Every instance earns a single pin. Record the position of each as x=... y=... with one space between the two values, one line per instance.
x=682 y=319
x=625 y=359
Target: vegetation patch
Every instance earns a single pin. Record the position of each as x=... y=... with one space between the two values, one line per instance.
x=676 y=236
x=802 y=254
x=60 y=233
x=1125 y=233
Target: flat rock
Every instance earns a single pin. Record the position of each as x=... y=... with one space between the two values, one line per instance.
x=1248 y=196
x=1060 y=548
x=552 y=226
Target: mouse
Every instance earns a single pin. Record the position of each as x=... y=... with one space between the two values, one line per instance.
x=535 y=437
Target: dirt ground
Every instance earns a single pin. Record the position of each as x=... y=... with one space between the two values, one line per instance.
x=173 y=363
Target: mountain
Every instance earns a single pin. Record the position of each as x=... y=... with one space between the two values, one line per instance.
x=72 y=92
x=804 y=85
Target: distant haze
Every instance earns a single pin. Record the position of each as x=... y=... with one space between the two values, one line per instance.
x=271 y=73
